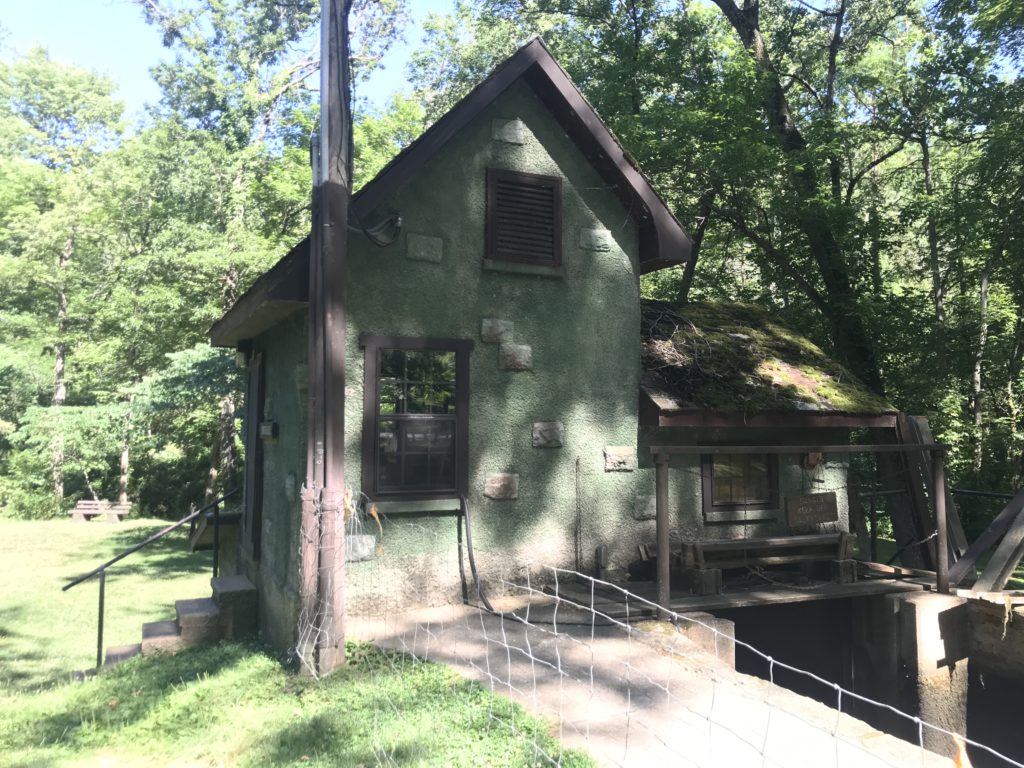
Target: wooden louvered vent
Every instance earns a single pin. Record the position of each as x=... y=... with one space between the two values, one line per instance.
x=524 y=217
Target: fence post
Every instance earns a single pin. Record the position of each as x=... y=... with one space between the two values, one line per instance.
x=216 y=539
x=661 y=522
x=99 y=628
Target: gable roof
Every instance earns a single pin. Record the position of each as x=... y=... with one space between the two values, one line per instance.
x=721 y=364
x=662 y=240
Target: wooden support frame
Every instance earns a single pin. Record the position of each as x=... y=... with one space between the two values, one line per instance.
x=1005 y=558
x=663 y=453
x=988 y=538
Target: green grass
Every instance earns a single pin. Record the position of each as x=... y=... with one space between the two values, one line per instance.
x=234 y=705
x=47 y=634
x=225 y=705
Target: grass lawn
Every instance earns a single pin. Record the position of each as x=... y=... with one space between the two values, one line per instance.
x=225 y=705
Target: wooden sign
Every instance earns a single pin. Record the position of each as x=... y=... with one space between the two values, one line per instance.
x=812 y=509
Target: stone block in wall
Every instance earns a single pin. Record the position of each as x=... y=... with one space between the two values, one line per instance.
x=515 y=357
x=595 y=239
x=509 y=131
x=424 y=248
x=494 y=331
x=360 y=547
x=619 y=458
x=548 y=434
x=503 y=486
x=645 y=507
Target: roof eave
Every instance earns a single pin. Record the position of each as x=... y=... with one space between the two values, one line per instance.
x=279 y=292
x=660 y=410
x=662 y=240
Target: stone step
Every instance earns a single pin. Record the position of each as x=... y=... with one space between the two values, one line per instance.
x=199 y=620
x=237 y=600
x=161 y=637
x=118 y=653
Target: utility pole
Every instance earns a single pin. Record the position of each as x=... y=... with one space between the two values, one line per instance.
x=322 y=587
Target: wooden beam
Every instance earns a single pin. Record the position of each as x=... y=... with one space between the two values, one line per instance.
x=796 y=420
x=988 y=538
x=939 y=502
x=895 y=570
x=917 y=479
x=717 y=450
x=957 y=536
x=1005 y=559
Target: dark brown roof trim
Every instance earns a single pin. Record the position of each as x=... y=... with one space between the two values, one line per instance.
x=277 y=293
x=657 y=410
x=663 y=241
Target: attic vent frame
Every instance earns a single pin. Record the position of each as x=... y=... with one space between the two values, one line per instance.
x=524 y=217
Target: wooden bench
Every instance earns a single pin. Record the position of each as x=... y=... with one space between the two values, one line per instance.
x=86 y=509
x=702 y=562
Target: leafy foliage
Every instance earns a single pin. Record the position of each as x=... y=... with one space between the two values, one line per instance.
x=853 y=168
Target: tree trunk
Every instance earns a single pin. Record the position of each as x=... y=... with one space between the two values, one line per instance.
x=1013 y=397
x=59 y=360
x=977 y=388
x=222 y=452
x=934 y=266
x=706 y=203
x=228 y=455
x=853 y=344
x=122 y=476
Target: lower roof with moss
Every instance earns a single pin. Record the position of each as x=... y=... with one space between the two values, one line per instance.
x=739 y=359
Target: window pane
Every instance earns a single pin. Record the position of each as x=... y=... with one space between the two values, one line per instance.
x=416 y=454
x=392 y=363
x=740 y=479
x=391 y=396
x=421 y=382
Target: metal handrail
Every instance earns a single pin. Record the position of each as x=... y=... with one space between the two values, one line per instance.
x=101 y=571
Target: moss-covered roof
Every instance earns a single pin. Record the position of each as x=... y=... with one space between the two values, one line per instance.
x=738 y=358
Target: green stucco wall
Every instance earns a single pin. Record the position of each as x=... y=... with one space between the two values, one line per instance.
x=275 y=569
x=580 y=324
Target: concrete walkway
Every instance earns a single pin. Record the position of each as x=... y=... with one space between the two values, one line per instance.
x=637 y=698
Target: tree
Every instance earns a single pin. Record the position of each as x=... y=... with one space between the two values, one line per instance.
x=56 y=121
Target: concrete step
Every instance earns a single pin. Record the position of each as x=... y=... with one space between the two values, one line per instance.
x=237 y=600
x=161 y=637
x=118 y=653
x=199 y=620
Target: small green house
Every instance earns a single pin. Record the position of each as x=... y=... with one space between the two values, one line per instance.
x=493 y=354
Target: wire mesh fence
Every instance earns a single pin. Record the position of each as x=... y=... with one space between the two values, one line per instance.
x=585 y=656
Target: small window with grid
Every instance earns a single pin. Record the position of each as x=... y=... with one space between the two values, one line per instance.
x=740 y=487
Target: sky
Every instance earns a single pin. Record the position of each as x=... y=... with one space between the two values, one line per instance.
x=110 y=37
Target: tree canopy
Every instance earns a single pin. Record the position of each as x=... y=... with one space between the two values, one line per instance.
x=853 y=167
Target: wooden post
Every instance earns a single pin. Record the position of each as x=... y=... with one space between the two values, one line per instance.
x=874 y=528
x=661 y=518
x=942 y=542
x=323 y=553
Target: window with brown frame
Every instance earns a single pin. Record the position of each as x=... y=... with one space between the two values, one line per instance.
x=524 y=217
x=415 y=417
x=740 y=487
